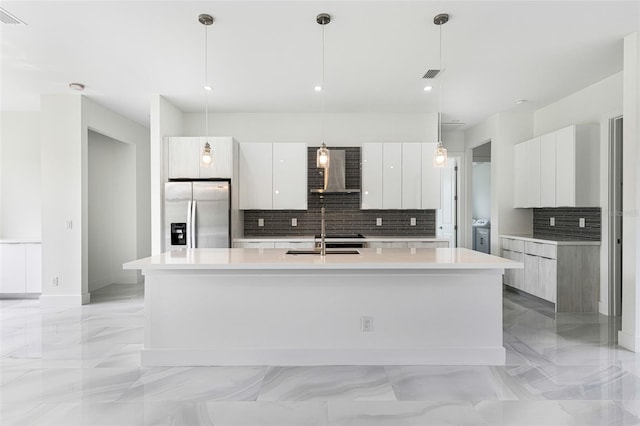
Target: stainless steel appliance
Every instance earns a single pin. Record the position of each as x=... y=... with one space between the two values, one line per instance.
x=197 y=214
x=341 y=241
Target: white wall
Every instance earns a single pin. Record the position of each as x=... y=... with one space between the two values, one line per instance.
x=597 y=103
x=503 y=130
x=65 y=124
x=20 y=175
x=340 y=129
x=112 y=211
x=166 y=120
x=629 y=336
x=481 y=191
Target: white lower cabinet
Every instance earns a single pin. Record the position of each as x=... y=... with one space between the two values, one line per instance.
x=20 y=268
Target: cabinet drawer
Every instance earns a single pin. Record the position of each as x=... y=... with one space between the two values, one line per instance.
x=540 y=249
x=512 y=245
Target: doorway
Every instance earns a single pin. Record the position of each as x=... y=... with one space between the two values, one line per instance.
x=615 y=217
x=448 y=213
x=481 y=198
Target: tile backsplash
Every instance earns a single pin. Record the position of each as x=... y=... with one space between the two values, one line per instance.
x=567 y=221
x=342 y=211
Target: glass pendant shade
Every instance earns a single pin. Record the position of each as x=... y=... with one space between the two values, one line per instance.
x=206 y=154
x=440 y=156
x=323 y=157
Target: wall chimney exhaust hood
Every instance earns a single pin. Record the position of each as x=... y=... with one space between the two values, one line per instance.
x=336 y=175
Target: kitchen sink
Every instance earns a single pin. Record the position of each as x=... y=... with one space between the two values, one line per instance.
x=329 y=251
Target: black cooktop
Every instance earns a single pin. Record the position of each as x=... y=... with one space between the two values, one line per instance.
x=341 y=236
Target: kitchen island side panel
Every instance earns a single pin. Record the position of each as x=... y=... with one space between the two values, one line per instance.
x=281 y=317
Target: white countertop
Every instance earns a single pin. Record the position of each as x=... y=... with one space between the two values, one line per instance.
x=256 y=259
x=559 y=242
x=19 y=241
x=311 y=238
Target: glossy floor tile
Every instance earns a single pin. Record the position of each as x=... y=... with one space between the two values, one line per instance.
x=81 y=366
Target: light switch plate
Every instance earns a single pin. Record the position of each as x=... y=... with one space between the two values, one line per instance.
x=261 y=222
x=378 y=221
x=294 y=221
x=552 y=221
x=413 y=221
x=581 y=222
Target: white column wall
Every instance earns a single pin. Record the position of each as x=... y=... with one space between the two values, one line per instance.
x=65 y=124
x=503 y=130
x=20 y=199
x=166 y=120
x=629 y=336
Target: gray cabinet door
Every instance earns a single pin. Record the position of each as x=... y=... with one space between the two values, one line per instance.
x=531 y=284
x=548 y=278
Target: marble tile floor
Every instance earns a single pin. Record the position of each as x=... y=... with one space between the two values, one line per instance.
x=81 y=366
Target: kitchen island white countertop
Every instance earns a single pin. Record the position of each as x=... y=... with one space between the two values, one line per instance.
x=379 y=307
x=387 y=258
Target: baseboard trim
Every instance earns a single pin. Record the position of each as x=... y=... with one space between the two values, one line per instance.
x=53 y=300
x=628 y=341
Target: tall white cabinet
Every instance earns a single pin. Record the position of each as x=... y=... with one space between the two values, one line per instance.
x=558 y=169
x=399 y=176
x=273 y=176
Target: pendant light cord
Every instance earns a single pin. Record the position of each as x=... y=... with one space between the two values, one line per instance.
x=440 y=94
x=322 y=86
x=206 y=83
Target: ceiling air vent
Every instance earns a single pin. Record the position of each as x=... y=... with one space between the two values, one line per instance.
x=8 y=18
x=431 y=74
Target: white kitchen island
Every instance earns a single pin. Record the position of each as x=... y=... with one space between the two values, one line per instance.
x=379 y=307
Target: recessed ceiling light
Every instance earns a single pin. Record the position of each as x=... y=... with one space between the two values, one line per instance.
x=520 y=101
x=76 y=86
x=427 y=88
x=318 y=88
x=208 y=88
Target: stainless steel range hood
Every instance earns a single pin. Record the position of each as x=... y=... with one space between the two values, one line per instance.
x=335 y=175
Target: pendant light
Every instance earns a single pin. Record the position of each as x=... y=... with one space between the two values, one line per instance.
x=323 y=156
x=440 y=153
x=207 y=156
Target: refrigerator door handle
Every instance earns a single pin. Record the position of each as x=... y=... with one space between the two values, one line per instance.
x=189 y=224
x=193 y=224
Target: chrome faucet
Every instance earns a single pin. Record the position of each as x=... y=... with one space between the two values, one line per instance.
x=323 y=244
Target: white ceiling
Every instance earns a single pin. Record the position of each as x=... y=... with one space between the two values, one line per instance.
x=265 y=56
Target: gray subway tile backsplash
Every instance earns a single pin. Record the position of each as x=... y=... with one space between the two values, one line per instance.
x=567 y=223
x=342 y=211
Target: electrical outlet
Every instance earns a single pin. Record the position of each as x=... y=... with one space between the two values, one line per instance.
x=413 y=221
x=69 y=224
x=261 y=222
x=378 y=221
x=581 y=222
x=366 y=324
x=54 y=282
x=294 y=221
x=552 y=221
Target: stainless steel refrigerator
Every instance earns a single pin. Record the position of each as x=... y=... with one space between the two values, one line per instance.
x=197 y=214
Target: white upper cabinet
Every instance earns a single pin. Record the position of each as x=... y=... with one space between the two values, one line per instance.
x=431 y=179
x=255 y=175
x=520 y=175
x=533 y=172
x=566 y=166
x=185 y=158
x=411 y=175
x=221 y=165
x=371 y=176
x=548 y=170
x=289 y=176
x=400 y=176
x=273 y=176
x=392 y=176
